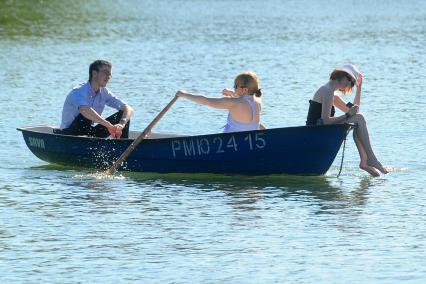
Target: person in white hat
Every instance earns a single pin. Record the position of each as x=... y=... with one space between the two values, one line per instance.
x=321 y=111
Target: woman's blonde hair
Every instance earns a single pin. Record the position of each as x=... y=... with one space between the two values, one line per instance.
x=249 y=80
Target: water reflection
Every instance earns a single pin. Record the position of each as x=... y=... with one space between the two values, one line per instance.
x=53 y=18
x=320 y=190
x=328 y=194
x=347 y=199
x=74 y=187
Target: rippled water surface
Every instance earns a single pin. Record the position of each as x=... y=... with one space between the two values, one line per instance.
x=70 y=225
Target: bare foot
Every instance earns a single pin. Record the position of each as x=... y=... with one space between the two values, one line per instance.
x=372 y=171
x=376 y=164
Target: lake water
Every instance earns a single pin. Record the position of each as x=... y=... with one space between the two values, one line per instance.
x=64 y=225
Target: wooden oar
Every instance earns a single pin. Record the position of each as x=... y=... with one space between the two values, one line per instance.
x=141 y=136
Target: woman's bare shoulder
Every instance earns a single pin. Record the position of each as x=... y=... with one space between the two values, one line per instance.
x=323 y=92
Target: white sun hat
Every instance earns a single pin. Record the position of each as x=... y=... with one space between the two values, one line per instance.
x=351 y=70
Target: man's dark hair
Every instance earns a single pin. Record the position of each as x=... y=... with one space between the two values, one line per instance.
x=96 y=65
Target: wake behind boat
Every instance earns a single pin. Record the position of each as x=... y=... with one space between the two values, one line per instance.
x=302 y=150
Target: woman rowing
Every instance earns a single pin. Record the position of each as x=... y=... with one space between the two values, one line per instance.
x=321 y=111
x=243 y=103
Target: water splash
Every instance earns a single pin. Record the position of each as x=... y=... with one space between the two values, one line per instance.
x=100 y=175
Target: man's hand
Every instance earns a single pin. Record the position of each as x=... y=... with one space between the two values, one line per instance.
x=111 y=130
x=118 y=130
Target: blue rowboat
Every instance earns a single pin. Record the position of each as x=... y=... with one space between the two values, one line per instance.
x=303 y=150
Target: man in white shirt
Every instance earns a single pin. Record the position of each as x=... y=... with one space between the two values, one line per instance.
x=84 y=105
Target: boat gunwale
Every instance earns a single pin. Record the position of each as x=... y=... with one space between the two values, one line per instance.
x=178 y=136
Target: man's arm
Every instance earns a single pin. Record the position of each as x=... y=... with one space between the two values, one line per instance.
x=127 y=114
x=92 y=115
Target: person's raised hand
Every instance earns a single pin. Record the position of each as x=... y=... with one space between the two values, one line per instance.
x=359 y=80
x=229 y=93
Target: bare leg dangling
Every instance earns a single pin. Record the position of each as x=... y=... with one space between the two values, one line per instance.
x=363 y=157
x=361 y=134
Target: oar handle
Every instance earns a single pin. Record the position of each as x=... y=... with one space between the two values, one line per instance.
x=141 y=136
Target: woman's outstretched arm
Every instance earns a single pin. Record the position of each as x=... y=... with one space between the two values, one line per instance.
x=221 y=103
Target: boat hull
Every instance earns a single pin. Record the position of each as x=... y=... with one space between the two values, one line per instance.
x=304 y=150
